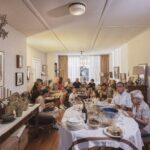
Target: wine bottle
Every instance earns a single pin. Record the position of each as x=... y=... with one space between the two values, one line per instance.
x=84 y=112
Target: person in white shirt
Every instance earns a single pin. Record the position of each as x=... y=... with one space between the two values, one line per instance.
x=122 y=99
x=140 y=112
x=73 y=96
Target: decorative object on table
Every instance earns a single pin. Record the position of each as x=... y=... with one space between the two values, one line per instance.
x=19 y=61
x=3 y=23
x=140 y=71
x=28 y=72
x=1 y=69
x=56 y=69
x=123 y=77
x=19 y=78
x=116 y=72
x=6 y=118
x=44 y=70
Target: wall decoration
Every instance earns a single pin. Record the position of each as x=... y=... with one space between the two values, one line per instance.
x=19 y=61
x=28 y=72
x=84 y=73
x=116 y=72
x=19 y=78
x=144 y=75
x=1 y=69
x=55 y=69
x=3 y=23
x=44 y=70
x=123 y=77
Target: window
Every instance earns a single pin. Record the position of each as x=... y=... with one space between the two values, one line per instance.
x=36 y=68
x=84 y=67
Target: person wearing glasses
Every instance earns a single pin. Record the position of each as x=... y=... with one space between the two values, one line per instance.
x=122 y=99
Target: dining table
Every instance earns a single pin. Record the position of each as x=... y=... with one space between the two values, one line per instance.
x=87 y=137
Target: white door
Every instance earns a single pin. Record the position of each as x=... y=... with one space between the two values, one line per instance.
x=36 y=68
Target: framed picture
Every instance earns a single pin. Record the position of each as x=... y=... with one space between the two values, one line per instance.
x=123 y=77
x=1 y=69
x=116 y=72
x=28 y=72
x=143 y=75
x=84 y=73
x=19 y=78
x=19 y=61
x=44 y=69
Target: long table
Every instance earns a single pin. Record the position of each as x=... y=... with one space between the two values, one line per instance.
x=88 y=138
x=7 y=129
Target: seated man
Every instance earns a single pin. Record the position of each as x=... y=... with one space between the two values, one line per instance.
x=140 y=112
x=91 y=84
x=122 y=99
x=77 y=84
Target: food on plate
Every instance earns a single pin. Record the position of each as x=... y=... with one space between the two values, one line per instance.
x=93 y=123
x=106 y=122
x=114 y=130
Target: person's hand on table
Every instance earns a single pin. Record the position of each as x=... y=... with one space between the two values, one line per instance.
x=130 y=113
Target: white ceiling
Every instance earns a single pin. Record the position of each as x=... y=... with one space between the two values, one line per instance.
x=50 y=28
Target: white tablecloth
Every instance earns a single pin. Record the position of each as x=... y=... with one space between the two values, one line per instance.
x=87 y=138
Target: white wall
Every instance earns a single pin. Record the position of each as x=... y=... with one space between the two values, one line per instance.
x=34 y=53
x=11 y=46
x=51 y=59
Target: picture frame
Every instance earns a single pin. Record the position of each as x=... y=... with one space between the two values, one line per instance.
x=28 y=72
x=19 y=61
x=1 y=69
x=123 y=77
x=19 y=78
x=44 y=70
x=144 y=76
x=116 y=72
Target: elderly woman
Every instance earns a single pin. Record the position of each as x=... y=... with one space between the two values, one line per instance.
x=140 y=112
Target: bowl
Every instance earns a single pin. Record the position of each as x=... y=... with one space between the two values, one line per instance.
x=110 y=112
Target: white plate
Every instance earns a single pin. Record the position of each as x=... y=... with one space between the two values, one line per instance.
x=74 y=120
x=110 y=135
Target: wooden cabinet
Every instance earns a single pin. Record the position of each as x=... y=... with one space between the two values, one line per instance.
x=142 y=88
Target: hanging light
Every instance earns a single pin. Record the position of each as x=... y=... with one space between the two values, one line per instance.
x=77 y=8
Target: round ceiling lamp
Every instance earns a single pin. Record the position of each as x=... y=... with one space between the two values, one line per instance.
x=77 y=9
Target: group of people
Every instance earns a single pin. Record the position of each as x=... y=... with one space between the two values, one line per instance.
x=133 y=103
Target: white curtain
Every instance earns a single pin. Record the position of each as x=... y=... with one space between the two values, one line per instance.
x=91 y=62
x=94 y=68
x=73 y=67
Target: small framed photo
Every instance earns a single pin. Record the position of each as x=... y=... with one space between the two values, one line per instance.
x=1 y=69
x=19 y=61
x=28 y=72
x=116 y=72
x=44 y=69
x=19 y=78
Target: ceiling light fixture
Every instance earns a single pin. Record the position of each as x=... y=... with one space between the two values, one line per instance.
x=77 y=8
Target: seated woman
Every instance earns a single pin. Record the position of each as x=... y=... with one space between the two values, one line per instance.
x=103 y=92
x=45 y=118
x=36 y=90
x=59 y=87
x=140 y=112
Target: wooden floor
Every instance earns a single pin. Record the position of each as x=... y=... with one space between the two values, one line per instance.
x=45 y=140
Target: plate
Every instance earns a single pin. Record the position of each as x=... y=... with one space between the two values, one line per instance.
x=110 y=135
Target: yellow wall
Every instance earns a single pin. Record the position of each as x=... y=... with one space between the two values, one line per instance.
x=139 y=53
